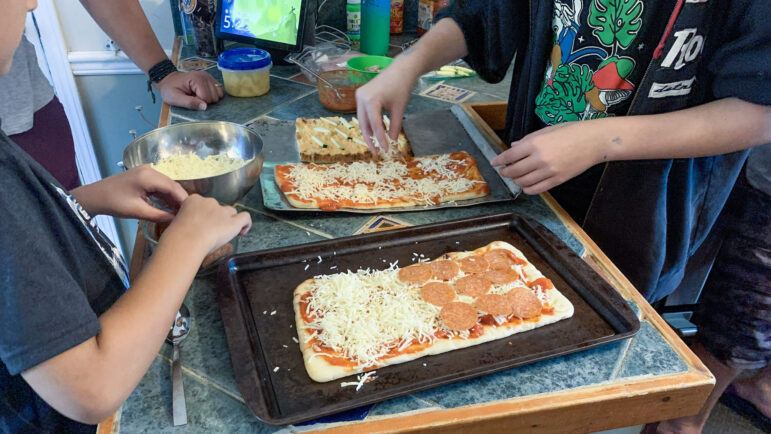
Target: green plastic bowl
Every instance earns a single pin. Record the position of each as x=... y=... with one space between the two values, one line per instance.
x=361 y=64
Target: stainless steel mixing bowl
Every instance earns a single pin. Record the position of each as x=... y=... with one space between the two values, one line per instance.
x=204 y=139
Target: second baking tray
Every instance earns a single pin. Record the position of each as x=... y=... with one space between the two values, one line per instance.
x=437 y=132
x=255 y=296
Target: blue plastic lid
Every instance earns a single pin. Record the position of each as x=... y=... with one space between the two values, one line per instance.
x=243 y=58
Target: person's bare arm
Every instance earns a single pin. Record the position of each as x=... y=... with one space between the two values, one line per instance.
x=126 y=23
x=390 y=90
x=125 y=195
x=89 y=382
x=553 y=155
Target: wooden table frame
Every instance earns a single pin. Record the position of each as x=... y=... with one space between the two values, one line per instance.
x=583 y=409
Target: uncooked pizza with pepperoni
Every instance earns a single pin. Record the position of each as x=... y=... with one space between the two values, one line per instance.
x=354 y=322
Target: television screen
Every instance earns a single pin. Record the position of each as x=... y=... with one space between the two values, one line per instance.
x=274 y=21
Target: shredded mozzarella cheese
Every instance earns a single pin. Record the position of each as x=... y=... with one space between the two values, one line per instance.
x=361 y=379
x=191 y=166
x=372 y=182
x=366 y=314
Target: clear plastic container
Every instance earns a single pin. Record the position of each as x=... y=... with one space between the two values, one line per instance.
x=246 y=71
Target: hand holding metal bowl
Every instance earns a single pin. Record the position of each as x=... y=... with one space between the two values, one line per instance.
x=204 y=139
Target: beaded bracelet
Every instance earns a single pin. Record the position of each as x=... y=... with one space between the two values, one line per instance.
x=158 y=72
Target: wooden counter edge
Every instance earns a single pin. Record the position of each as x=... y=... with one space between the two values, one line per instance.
x=587 y=409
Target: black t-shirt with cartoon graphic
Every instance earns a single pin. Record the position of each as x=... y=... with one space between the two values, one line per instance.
x=600 y=50
x=599 y=54
x=58 y=273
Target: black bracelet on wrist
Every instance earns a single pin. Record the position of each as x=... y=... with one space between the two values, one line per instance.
x=158 y=72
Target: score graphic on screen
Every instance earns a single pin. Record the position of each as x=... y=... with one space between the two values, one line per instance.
x=270 y=20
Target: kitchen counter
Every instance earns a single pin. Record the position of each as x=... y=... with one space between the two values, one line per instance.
x=648 y=377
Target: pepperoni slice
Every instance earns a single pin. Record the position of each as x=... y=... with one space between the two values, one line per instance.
x=437 y=293
x=498 y=259
x=445 y=269
x=494 y=304
x=474 y=265
x=473 y=285
x=501 y=259
x=524 y=304
x=543 y=282
x=501 y=277
x=418 y=273
x=458 y=316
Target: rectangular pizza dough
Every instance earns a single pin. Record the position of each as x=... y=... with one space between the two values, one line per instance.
x=322 y=369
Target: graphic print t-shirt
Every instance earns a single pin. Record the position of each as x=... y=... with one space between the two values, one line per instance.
x=58 y=273
x=599 y=54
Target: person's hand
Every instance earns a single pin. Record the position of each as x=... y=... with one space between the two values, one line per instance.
x=193 y=90
x=552 y=155
x=126 y=195
x=206 y=221
x=389 y=91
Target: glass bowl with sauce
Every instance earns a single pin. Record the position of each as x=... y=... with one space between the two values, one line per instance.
x=337 y=89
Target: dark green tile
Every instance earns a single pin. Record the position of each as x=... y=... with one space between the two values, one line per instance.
x=337 y=224
x=269 y=233
x=635 y=308
x=650 y=354
x=309 y=106
x=253 y=198
x=418 y=104
x=206 y=337
x=531 y=206
x=485 y=91
x=278 y=138
x=148 y=409
x=398 y=405
x=241 y=110
x=582 y=369
x=284 y=71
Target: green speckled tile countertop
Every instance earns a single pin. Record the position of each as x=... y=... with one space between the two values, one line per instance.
x=214 y=403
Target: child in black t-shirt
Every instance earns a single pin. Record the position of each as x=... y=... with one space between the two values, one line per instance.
x=635 y=115
x=74 y=339
x=638 y=112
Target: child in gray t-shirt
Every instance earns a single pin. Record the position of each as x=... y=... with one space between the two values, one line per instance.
x=74 y=342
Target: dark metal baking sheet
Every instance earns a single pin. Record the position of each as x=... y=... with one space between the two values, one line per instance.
x=253 y=286
x=437 y=132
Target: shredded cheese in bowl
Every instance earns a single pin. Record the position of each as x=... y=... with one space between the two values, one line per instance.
x=191 y=166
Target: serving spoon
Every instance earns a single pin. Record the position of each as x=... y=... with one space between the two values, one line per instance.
x=178 y=332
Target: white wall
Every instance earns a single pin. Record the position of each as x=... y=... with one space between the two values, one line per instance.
x=81 y=33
